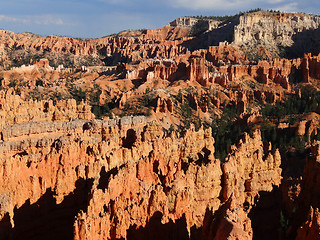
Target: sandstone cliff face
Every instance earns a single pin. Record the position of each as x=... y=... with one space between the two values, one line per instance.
x=69 y=51
x=130 y=170
x=184 y=22
x=137 y=170
x=248 y=170
x=14 y=110
x=31 y=139
x=244 y=83
x=263 y=34
x=134 y=177
x=188 y=193
x=274 y=29
x=175 y=176
x=166 y=33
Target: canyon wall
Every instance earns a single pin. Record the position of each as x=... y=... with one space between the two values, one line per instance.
x=126 y=173
x=260 y=34
x=271 y=30
x=138 y=177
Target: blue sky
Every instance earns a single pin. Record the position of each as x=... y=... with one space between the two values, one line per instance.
x=97 y=18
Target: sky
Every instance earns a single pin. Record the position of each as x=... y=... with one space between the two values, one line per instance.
x=98 y=18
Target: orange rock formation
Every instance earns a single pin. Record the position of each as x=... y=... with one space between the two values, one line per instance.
x=136 y=177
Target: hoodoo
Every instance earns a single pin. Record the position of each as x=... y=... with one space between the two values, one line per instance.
x=207 y=128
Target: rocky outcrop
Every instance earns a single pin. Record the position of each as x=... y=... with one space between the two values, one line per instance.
x=198 y=71
x=132 y=170
x=30 y=133
x=136 y=177
x=276 y=29
x=226 y=54
x=263 y=34
x=166 y=33
x=248 y=170
x=184 y=22
x=72 y=52
x=182 y=180
x=108 y=214
x=14 y=110
x=164 y=105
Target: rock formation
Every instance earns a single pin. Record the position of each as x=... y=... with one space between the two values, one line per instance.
x=248 y=170
x=136 y=168
x=76 y=157
x=275 y=29
x=174 y=176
